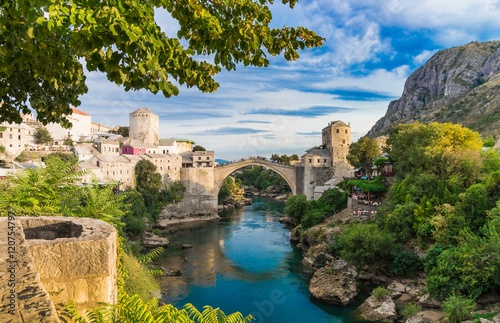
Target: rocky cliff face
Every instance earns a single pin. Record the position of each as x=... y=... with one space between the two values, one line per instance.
x=459 y=85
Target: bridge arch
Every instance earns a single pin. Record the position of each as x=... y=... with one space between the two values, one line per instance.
x=285 y=171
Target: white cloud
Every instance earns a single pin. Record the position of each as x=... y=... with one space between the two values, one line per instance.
x=356 y=35
x=423 y=57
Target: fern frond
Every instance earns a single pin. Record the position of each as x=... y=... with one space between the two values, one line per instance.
x=152 y=255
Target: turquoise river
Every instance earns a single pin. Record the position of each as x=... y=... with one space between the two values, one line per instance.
x=244 y=262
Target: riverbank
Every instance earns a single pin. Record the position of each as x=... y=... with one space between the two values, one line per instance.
x=336 y=282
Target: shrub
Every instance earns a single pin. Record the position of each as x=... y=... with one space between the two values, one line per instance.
x=458 y=308
x=312 y=218
x=366 y=244
x=297 y=206
x=411 y=310
x=489 y=142
x=406 y=263
x=431 y=257
x=471 y=268
x=134 y=227
x=380 y=293
x=333 y=200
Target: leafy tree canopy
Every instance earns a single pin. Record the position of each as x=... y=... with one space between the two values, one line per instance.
x=369 y=186
x=146 y=177
x=284 y=159
x=444 y=149
x=199 y=148
x=363 y=152
x=42 y=136
x=44 y=44
x=122 y=130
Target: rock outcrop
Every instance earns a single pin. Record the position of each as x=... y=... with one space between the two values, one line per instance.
x=185 y=211
x=373 y=309
x=336 y=284
x=459 y=85
x=153 y=241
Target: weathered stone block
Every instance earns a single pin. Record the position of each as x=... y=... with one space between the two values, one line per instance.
x=48 y=260
x=87 y=257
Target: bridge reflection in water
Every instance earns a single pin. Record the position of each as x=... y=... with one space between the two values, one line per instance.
x=201 y=264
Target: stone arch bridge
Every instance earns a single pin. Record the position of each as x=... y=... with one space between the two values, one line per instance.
x=286 y=171
x=203 y=184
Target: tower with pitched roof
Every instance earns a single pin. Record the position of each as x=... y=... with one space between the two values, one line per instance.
x=336 y=137
x=144 y=126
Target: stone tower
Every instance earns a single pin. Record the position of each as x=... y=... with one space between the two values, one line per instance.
x=337 y=139
x=144 y=126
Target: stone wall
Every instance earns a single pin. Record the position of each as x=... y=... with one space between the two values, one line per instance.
x=63 y=259
x=23 y=298
x=315 y=176
x=75 y=257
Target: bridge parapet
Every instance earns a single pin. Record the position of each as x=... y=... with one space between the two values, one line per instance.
x=262 y=162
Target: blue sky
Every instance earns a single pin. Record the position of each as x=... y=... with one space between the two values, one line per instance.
x=371 y=47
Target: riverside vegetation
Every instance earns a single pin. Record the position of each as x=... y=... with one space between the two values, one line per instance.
x=52 y=191
x=253 y=179
x=440 y=218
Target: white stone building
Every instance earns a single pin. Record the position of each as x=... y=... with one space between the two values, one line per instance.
x=317 y=157
x=167 y=165
x=109 y=147
x=168 y=146
x=16 y=137
x=113 y=168
x=81 y=125
x=99 y=128
x=83 y=152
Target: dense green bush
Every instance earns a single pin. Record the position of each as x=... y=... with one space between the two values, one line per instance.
x=471 y=268
x=367 y=244
x=312 y=217
x=333 y=200
x=297 y=206
x=431 y=256
x=406 y=263
x=134 y=226
x=458 y=308
x=489 y=142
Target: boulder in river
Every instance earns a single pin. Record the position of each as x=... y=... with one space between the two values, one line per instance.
x=374 y=309
x=335 y=284
x=154 y=241
x=171 y=272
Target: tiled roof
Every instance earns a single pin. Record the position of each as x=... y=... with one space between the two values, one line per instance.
x=316 y=151
x=80 y=112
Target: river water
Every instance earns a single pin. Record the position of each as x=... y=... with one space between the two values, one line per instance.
x=244 y=262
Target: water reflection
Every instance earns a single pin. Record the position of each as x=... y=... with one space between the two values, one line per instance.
x=218 y=248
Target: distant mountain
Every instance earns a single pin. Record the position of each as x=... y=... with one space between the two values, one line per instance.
x=459 y=85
